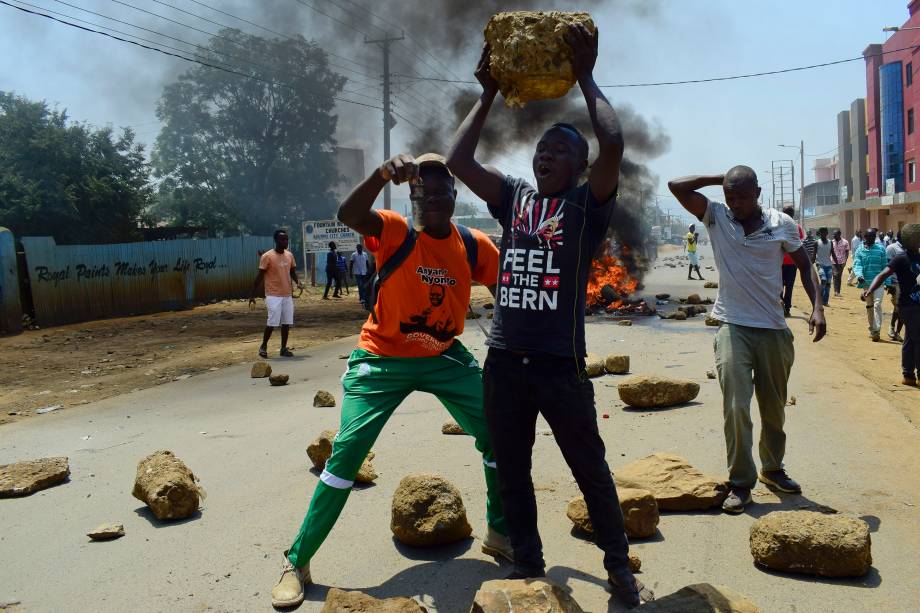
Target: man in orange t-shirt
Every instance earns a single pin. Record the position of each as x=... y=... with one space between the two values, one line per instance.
x=277 y=269
x=408 y=344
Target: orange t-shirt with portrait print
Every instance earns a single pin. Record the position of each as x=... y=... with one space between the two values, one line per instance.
x=422 y=306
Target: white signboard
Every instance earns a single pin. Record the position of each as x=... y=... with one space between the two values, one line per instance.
x=889 y=187
x=318 y=234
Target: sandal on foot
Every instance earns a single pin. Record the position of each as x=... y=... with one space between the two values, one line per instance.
x=263 y=353
x=629 y=590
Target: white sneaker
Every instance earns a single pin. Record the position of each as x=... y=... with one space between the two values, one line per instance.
x=288 y=592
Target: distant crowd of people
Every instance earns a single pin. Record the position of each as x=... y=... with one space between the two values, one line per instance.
x=878 y=263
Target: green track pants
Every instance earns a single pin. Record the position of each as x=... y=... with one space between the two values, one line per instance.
x=374 y=387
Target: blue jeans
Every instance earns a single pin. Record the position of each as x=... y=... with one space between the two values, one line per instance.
x=826 y=273
x=360 y=280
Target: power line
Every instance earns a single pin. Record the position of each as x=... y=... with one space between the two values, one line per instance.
x=707 y=80
x=164 y=45
x=257 y=25
x=168 y=53
x=191 y=27
x=335 y=19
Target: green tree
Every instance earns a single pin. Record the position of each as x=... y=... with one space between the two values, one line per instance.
x=249 y=154
x=68 y=180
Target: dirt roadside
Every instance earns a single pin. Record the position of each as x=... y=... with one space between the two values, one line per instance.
x=848 y=338
x=81 y=363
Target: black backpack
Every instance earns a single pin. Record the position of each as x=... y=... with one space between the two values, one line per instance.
x=372 y=287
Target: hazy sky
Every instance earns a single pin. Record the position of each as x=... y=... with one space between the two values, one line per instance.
x=712 y=126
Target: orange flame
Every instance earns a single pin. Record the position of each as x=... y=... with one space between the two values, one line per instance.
x=609 y=270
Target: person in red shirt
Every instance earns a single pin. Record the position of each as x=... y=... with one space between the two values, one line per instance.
x=789 y=269
x=408 y=344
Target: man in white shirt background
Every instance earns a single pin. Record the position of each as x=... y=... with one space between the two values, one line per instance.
x=358 y=269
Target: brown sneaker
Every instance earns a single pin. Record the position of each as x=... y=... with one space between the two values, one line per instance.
x=909 y=381
x=288 y=592
x=737 y=499
x=497 y=545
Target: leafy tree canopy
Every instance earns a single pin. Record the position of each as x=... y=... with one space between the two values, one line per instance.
x=249 y=154
x=68 y=180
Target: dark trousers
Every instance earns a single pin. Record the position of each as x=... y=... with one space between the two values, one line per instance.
x=516 y=389
x=789 y=273
x=838 y=277
x=332 y=276
x=910 y=350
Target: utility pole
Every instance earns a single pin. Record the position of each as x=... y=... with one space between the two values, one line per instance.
x=388 y=120
x=802 y=181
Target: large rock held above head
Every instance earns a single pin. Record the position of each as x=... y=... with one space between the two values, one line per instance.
x=167 y=486
x=323 y=399
x=675 y=484
x=523 y=596
x=640 y=513
x=30 y=476
x=321 y=449
x=617 y=364
x=594 y=365
x=530 y=58
x=340 y=601
x=649 y=391
x=812 y=543
x=260 y=370
x=702 y=598
x=428 y=510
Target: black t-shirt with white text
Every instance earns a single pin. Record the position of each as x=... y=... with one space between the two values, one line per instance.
x=547 y=246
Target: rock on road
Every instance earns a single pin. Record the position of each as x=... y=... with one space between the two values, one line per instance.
x=847 y=446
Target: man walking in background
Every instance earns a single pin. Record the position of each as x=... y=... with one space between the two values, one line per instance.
x=868 y=261
x=825 y=261
x=840 y=251
x=906 y=267
x=855 y=243
x=331 y=272
x=754 y=347
x=277 y=269
x=893 y=250
x=789 y=267
x=811 y=245
x=693 y=239
x=358 y=268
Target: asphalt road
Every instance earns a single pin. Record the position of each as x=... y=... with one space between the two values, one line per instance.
x=246 y=441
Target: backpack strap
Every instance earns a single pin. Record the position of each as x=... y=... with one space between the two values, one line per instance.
x=387 y=268
x=472 y=247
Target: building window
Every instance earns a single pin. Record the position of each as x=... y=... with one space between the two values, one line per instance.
x=909 y=73
x=910 y=121
x=911 y=172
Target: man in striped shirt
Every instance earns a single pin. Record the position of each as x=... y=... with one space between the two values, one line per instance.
x=868 y=261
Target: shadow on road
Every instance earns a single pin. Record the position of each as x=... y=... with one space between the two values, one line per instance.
x=448 y=585
x=147 y=514
x=872 y=580
x=685 y=405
